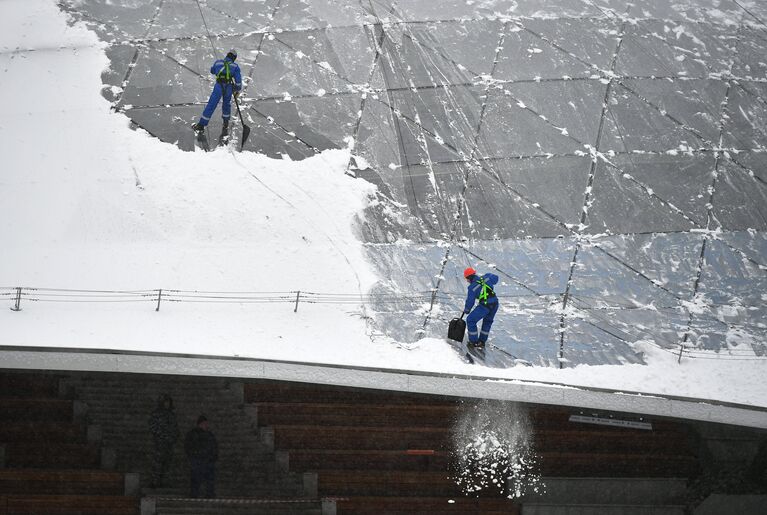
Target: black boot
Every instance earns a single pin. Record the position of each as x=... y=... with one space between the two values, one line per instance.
x=199 y=129
x=225 y=127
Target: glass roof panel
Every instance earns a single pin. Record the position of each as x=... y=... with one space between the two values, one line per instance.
x=503 y=134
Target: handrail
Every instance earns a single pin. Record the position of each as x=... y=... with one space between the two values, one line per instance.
x=526 y=304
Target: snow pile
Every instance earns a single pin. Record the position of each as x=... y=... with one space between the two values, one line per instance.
x=493 y=451
x=91 y=204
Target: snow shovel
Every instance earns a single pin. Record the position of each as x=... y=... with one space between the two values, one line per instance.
x=245 y=128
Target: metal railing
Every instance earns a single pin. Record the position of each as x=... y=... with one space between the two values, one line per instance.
x=521 y=304
x=21 y=295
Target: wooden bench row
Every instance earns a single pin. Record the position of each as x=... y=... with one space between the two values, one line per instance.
x=439 y=438
x=570 y=464
x=59 y=482
x=391 y=483
x=37 y=409
x=423 y=413
x=302 y=393
x=36 y=431
x=550 y=464
x=270 y=414
x=436 y=505
x=68 y=505
x=266 y=392
x=52 y=455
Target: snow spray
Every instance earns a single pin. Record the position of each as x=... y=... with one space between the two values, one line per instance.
x=493 y=450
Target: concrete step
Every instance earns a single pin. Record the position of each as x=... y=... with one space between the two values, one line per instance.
x=52 y=455
x=453 y=505
x=69 y=504
x=60 y=482
x=718 y=504
x=600 y=509
x=39 y=409
x=233 y=506
x=122 y=409
x=307 y=392
x=598 y=490
x=257 y=485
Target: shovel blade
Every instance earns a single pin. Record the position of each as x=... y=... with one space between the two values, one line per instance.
x=245 y=134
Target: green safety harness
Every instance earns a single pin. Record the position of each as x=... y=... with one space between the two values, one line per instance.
x=486 y=293
x=227 y=78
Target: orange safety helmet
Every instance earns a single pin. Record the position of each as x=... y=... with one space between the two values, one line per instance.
x=468 y=272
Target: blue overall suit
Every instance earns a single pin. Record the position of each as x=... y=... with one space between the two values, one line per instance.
x=225 y=86
x=481 y=289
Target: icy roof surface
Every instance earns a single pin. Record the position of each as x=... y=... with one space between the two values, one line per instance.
x=607 y=159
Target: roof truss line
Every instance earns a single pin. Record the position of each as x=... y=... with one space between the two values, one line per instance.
x=284 y=129
x=247 y=83
x=450 y=146
x=421 y=136
x=637 y=272
x=755 y=96
x=556 y=46
x=760 y=182
x=462 y=197
x=691 y=130
x=173 y=60
x=363 y=101
x=379 y=27
x=126 y=78
x=760 y=266
x=400 y=140
x=68 y=6
x=232 y=17
x=516 y=281
x=651 y=193
x=609 y=74
x=754 y=16
x=478 y=162
x=644 y=331
x=316 y=63
x=606 y=11
x=586 y=202
x=709 y=219
x=554 y=218
x=132 y=65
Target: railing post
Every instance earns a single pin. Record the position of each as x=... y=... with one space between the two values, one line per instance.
x=298 y=295
x=17 y=306
x=159 y=296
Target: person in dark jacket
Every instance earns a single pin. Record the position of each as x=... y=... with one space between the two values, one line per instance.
x=480 y=290
x=202 y=450
x=164 y=430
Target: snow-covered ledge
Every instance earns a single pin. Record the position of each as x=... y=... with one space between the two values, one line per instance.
x=44 y=358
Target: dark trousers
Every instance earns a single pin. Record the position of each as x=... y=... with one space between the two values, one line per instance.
x=161 y=460
x=219 y=90
x=486 y=313
x=203 y=472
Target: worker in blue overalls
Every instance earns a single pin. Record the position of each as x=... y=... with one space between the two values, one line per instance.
x=228 y=82
x=480 y=290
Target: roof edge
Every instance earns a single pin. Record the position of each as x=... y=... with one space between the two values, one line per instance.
x=536 y=392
